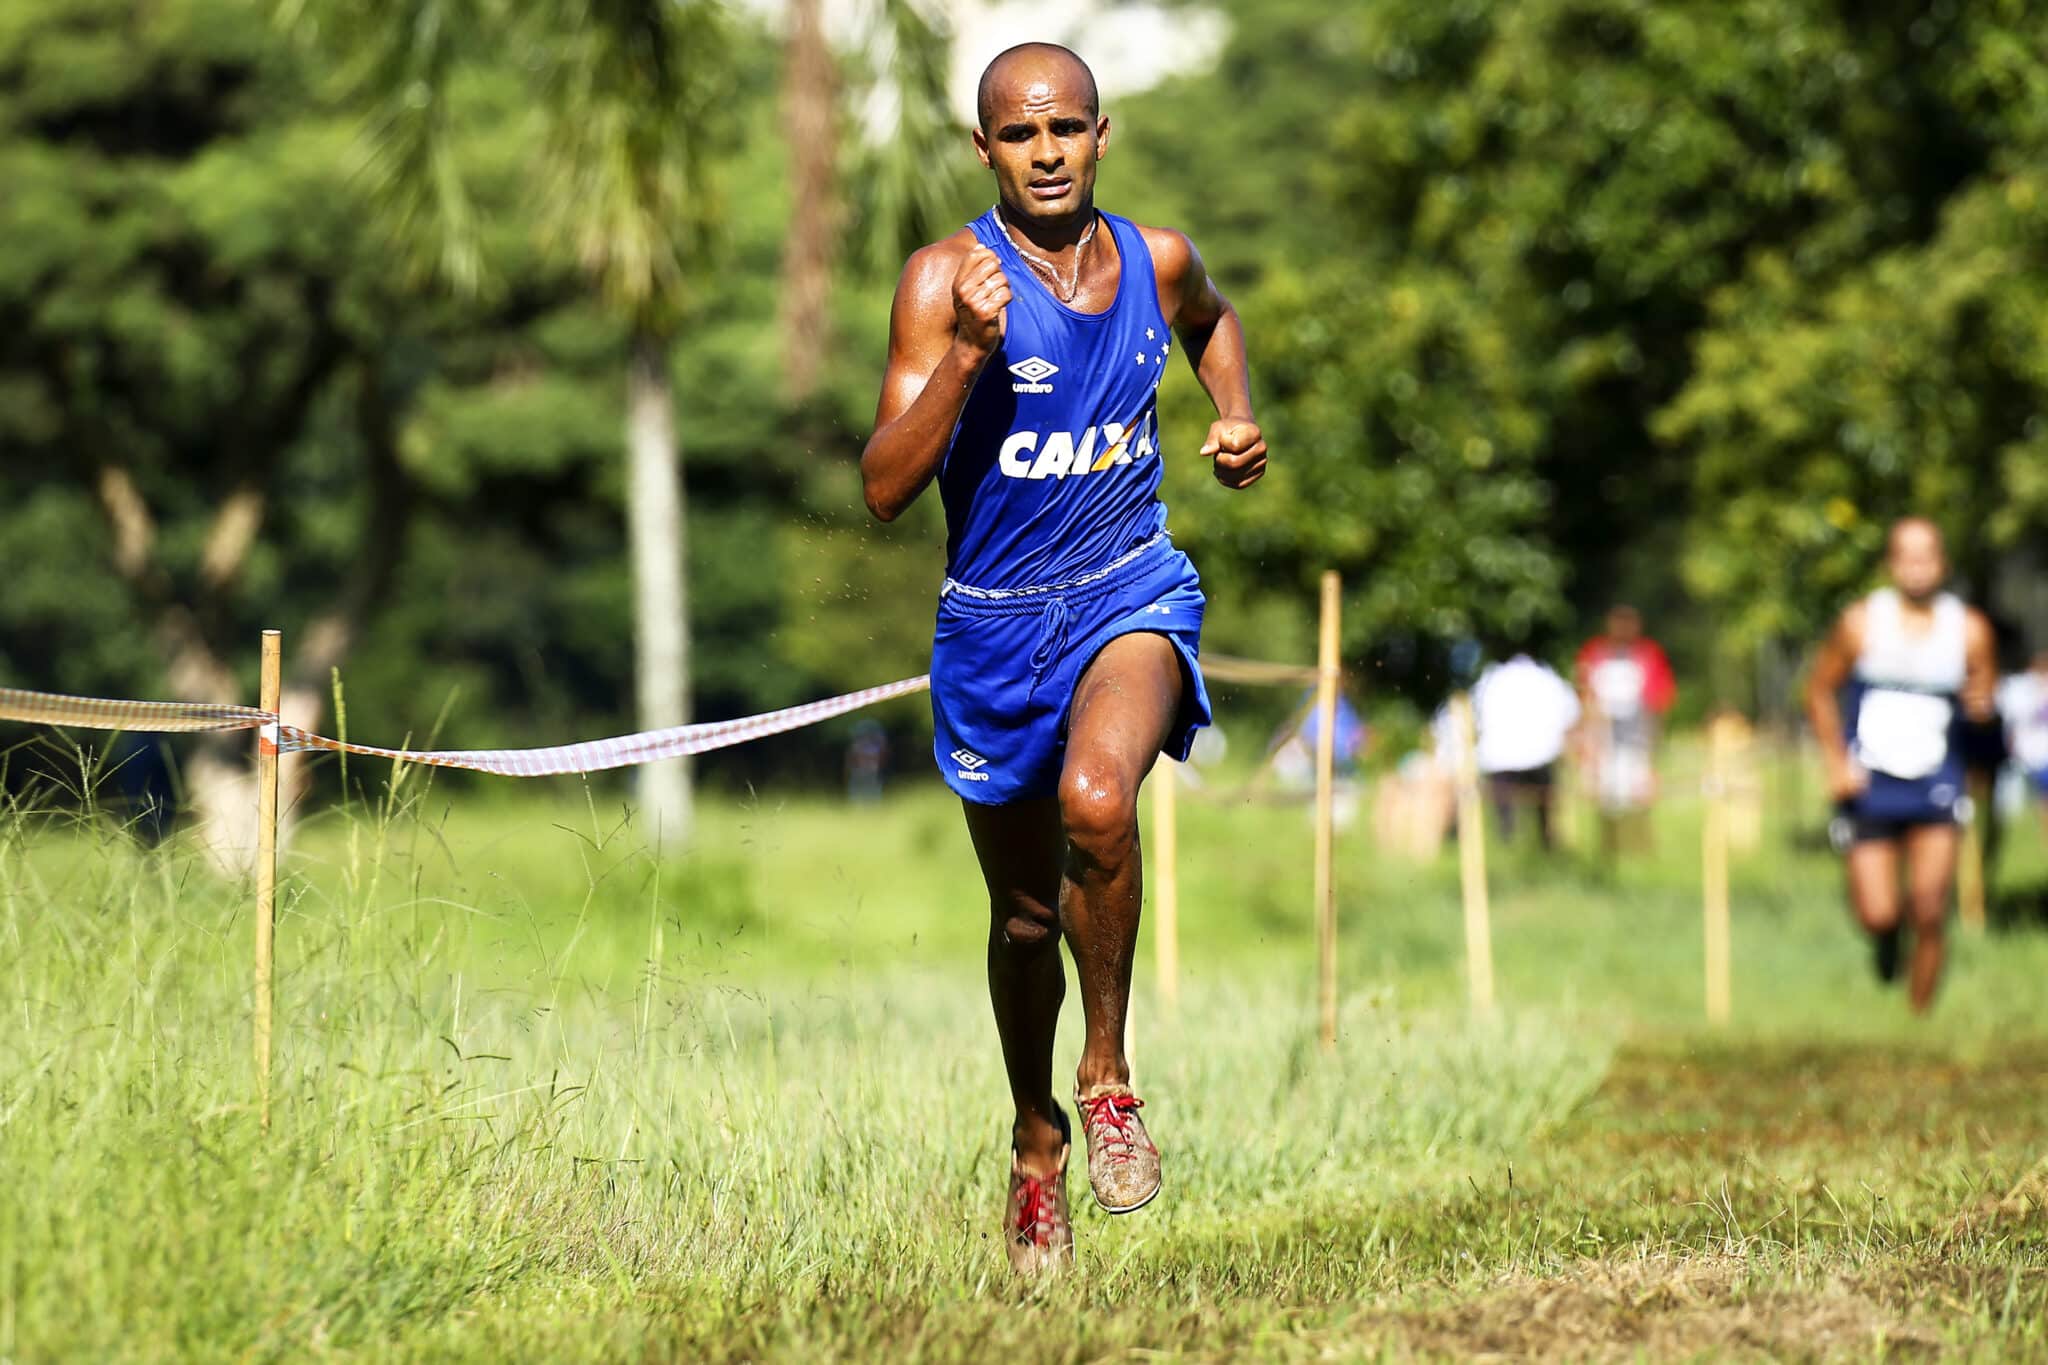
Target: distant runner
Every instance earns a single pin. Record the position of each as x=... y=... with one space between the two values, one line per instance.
x=1025 y=354
x=1626 y=686
x=1910 y=661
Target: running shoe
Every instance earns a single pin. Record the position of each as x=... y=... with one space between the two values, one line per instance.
x=1123 y=1165
x=1036 y=1229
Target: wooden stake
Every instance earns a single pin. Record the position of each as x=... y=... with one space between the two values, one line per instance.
x=1472 y=861
x=1970 y=869
x=1326 y=797
x=1714 y=878
x=1166 y=881
x=266 y=861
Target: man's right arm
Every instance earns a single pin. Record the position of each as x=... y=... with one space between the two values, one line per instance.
x=1824 y=706
x=946 y=322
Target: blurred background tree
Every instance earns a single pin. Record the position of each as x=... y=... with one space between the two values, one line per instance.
x=632 y=95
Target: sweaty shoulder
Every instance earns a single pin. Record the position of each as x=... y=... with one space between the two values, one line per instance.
x=1977 y=625
x=943 y=255
x=1850 y=627
x=1173 y=259
x=1172 y=252
x=927 y=282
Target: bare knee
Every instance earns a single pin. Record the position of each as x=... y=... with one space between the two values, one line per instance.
x=1930 y=913
x=1100 y=811
x=1022 y=923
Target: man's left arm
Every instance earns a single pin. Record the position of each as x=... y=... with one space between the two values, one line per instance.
x=1980 y=668
x=1213 y=338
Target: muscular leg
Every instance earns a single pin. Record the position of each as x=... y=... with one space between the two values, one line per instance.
x=1930 y=872
x=1122 y=710
x=1018 y=846
x=1874 y=884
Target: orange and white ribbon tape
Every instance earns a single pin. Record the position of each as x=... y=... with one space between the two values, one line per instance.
x=597 y=755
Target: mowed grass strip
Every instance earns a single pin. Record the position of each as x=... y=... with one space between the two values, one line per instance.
x=541 y=1097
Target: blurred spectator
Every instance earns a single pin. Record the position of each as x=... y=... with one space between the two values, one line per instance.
x=1291 y=758
x=1292 y=753
x=1626 y=686
x=1524 y=713
x=1347 y=731
x=2023 y=706
x=1415 y=805
x=867 y=758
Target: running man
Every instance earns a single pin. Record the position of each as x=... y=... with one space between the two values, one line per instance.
x=1625 y=687
x=1904 y=658
x=1025 y=354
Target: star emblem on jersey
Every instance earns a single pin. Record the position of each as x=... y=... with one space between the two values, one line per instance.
x=1034 y=371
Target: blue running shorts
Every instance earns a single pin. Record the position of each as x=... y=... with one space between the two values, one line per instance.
x=1005 y=665
x=1890 y=806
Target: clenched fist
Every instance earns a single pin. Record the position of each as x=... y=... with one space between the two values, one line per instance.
x=1238 y=449
x=980 y=293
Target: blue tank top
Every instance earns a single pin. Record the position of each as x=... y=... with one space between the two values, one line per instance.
x=1053 y=471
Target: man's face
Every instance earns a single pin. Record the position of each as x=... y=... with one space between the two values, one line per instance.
x=1042 y=142
x=1624 y=626
x=1915 y=561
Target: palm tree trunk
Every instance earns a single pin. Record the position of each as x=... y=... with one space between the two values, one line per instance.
x=657 y=532
x=807 y=246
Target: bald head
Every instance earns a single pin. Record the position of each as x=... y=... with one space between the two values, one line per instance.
x=1915 y=533
x=1034 y=72
x=1915 y=558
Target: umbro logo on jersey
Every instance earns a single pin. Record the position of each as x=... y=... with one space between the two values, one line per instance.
x=971 y=764
x=1034 y=371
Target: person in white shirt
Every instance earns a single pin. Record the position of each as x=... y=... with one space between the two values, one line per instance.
x=1525 y=713
x=2023 y=707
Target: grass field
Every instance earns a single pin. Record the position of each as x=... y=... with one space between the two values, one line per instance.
x=542 y=1098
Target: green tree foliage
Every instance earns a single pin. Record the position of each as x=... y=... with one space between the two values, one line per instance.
x=1551 y=301
x=1834 y=391
x=186 y=326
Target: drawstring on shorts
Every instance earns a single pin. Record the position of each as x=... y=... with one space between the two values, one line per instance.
x=1055 y=604
x=1052 y=638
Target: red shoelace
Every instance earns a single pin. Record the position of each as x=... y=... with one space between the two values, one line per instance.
x=1108 y=1118
x=1035 y=1212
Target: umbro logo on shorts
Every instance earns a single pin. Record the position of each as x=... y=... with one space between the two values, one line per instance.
x=1034 y=371
x=971 y=764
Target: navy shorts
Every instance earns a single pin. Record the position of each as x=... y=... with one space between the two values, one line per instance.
x=1890 y=806
x=1005 y=665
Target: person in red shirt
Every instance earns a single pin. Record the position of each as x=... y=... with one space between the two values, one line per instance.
x=1626 y=687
